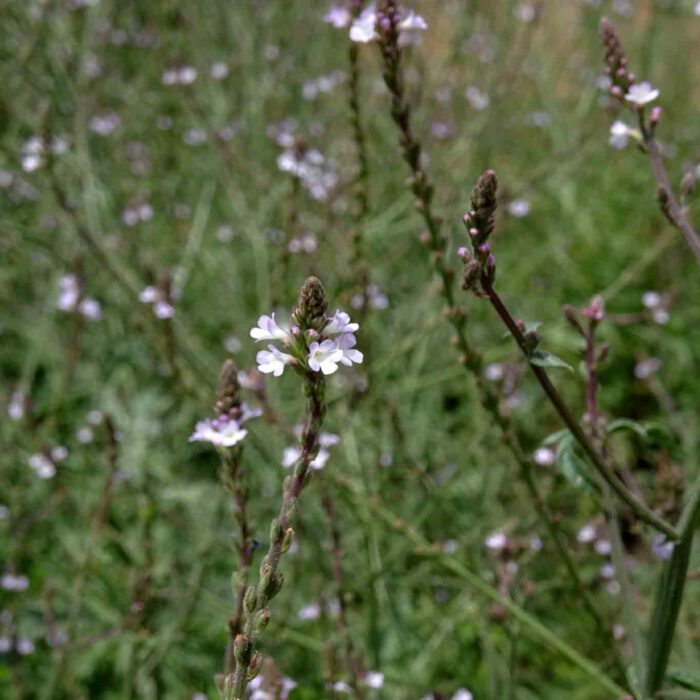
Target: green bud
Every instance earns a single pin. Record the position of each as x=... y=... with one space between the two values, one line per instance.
x=262 y=619
x=274 y=584
x=311 y=306
x=242 y=649
x=250 y=599
x=255 y=664
x=276 y=532
x=228 y=391
x=287 y=541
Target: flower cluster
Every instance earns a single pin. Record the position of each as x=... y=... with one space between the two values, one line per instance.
x=363 y=28
x=71 y=299
x=319 y=350
x=293 y=453
x=317 y=174
x=154 y=296
x=226 y=430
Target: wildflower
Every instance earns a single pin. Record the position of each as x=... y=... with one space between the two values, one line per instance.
x=342 y=687
x=364 y=29
x=340 y=323
x=43 y=467
x=596 y=309
x=324 y=356
x=218 y=70
x=154 y=296
x=304 y=243
x=91 y=309
x=104 y=124
x=346 y=344
x=273 y=361
x=494 y=372
x=477 y=99
x=602 y=547
x=651 y=300
x=462 y=694
x=374 y=679
x=647 y=367
x=607 y=571
x=338 y=16
x=59 y=453
x=586 y=534
x=661 y=316
x=16 y=408
x=536 y=543
x=317 y=175
x=640 y=94
x=544 y=456
x=619 y=134
x=519 y=208
x=496 y=541
x=312 y=611
x=269 y=329
x=328 y=439
x=14 y=582
x=661 y=548
x=24 y=646
x=84 y=435
x=222 y=432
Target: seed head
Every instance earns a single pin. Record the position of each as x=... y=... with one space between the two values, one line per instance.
x=310 y=310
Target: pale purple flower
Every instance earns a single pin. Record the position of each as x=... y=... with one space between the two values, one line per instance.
x=519 y=208
x=647 y=367
x=324 y=357
x=641 y=94
x=291 y=455
x=462 y=694
x=496 y=540
x=364 y=28
x=342 y=687
x=59 y=453
x=477 y=99
x=651 y=299
x=374 y=679
x=619 y=134
x=346 y=344
x=221 y=432
x=91 y=309
x=339 y=16
x=340 y=323
x=544 y=456
x=16 y=406
x=661 y=548
x=149 y=295
x=602 y=547
x=269 y=329
x=69 y=293
x=162 y=309
x=84 y=435
x=587 y=533
x=14 y=582
x=43 y=467
x=494 y=372
x=24 y=646
x=218 y=70
x=661 y=316
x=328 y=439
x=273 y=360
x=312 y=611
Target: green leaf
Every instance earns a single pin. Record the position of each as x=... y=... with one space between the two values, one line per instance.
x=571 y=466
x=554 y=438
x=627 y=424
x=651 y=433
x=687 y=679
x=541 y=358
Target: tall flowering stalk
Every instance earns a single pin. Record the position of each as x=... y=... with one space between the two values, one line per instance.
x=479 y=277
x=314 y=346
x=393 y=28
x=637 y=95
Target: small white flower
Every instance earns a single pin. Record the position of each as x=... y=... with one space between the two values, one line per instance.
x=618 y=631
x=536 y=543
x=269 y=329
x=346 y=344
x=494 y=372
x=651 y=300
x=42 y=466
x=602 y=547
x=697 y=9
x=342 y=687
x=272 y=361
x=247 y=413
x=91 y=309
x=544 y=456
x=340 y=323
x=647 y=367
x=477 y=99
x=519 y=208
x=661 y=316
x=410 y=28
x=641 y=94
x=324 y=357
x=15 y=409
x=619 y=134
x=496 y=540
x=312 y=611
x=338 y=16
x=328 y=439
x=59 y=453
x=162 y=309
x=661 y=548
x=149 y=295
x=291 y=455
x=462 y=694
x=607 y=571
x=221 y=432
x=364 y=28
x=586 y=534
x=69 y=294
x=14 y=582
x=24 y=646
x=374 y=679
x=5 y=645
x=218 y=70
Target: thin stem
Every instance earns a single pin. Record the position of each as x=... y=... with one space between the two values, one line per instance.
x=605 y=470
x=270 y=581
x=670 y=205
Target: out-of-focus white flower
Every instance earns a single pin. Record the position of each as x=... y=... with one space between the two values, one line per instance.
x=43 y=467
x=647 y=367
x=104 y=124
x=328 y=439
x=651 y=299
x=291 y=455
x=91 y=309
x=14 y=582
x=364 y=29
x=661 y=316
x=312 y=611
x=536 y=543
x=342 y=687
x=303 y=243
x=602 y=547
x=641 y=94
x=154 y=296
x=24 y=646
x=84 y=435
x=374 y=679
x=697 y=9
x=494 y=372
x=317 y=175
x=462 y=694
x=496 y=540
x=526 y=12
x=5 y=645
x=620 y=134
x=232 y=343
x=219 y=70
x=16 y=406
x=59 y=453
x=338 y=15
x=519 y=208
x=273 y=361
x=586 y=534
x=544 y=456
x=477 y=99
x=220 y=431
x=661 y=548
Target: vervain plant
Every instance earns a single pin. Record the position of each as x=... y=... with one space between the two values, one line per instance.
x=479 y=277
x=315 y=345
